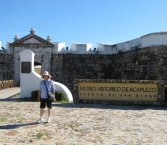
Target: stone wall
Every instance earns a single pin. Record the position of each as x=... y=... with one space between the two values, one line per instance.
x=6 y=66
x=140 y=64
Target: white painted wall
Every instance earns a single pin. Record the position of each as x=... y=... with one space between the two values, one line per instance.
x=154 y=39
x=62 y=88
x=81 y=47
x=106 y=48
x=60 y=46
x=135 y=43
x=30 y=81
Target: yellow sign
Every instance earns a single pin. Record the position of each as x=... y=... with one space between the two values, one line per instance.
x=118 y=91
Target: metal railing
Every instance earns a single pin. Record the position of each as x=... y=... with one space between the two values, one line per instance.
x=6 y=84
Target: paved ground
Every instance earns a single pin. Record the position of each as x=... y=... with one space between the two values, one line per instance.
x=80 y=124
x=8 y=93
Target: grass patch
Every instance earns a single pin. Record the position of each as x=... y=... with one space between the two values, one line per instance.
x=19 y=116
x=42 y=134
x=39 y=135
x=3 y=119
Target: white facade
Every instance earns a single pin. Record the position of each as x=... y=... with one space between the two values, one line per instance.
x=106 y=48
x=59 y=47
x=154 y=39
x=81 y=47
x=28 y=81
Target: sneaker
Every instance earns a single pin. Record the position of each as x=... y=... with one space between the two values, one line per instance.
x=40 y=121
x=48 y=121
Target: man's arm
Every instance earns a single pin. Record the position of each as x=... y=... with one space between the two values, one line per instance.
x=53 y=88
x=39 y=95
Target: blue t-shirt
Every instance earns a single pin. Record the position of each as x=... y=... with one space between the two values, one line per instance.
x=43 y=89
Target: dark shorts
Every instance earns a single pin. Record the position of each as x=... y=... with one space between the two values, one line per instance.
x=45 y=102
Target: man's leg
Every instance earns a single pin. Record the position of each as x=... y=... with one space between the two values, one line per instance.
x=41 y=113
x=49 y=115
x=49 y=105
x=42 y=106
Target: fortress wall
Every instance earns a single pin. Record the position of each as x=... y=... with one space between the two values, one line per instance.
x=140 y=64
x=6 y=67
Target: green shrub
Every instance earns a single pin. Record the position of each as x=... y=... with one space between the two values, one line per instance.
x=60 y=97
x=34 y=96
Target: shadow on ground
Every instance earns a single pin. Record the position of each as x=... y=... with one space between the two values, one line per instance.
x=105 y=105
x=12 y=98
x=108 y=106
x=14 y=126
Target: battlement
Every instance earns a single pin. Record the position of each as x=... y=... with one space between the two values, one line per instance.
x=149 y=40
x=34 y=41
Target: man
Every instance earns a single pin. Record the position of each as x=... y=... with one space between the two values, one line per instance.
x=46 y=85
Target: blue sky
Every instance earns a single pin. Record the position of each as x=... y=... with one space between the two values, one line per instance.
x=82 y=21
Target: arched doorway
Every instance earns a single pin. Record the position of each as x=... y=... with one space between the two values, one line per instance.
x=37 y=67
